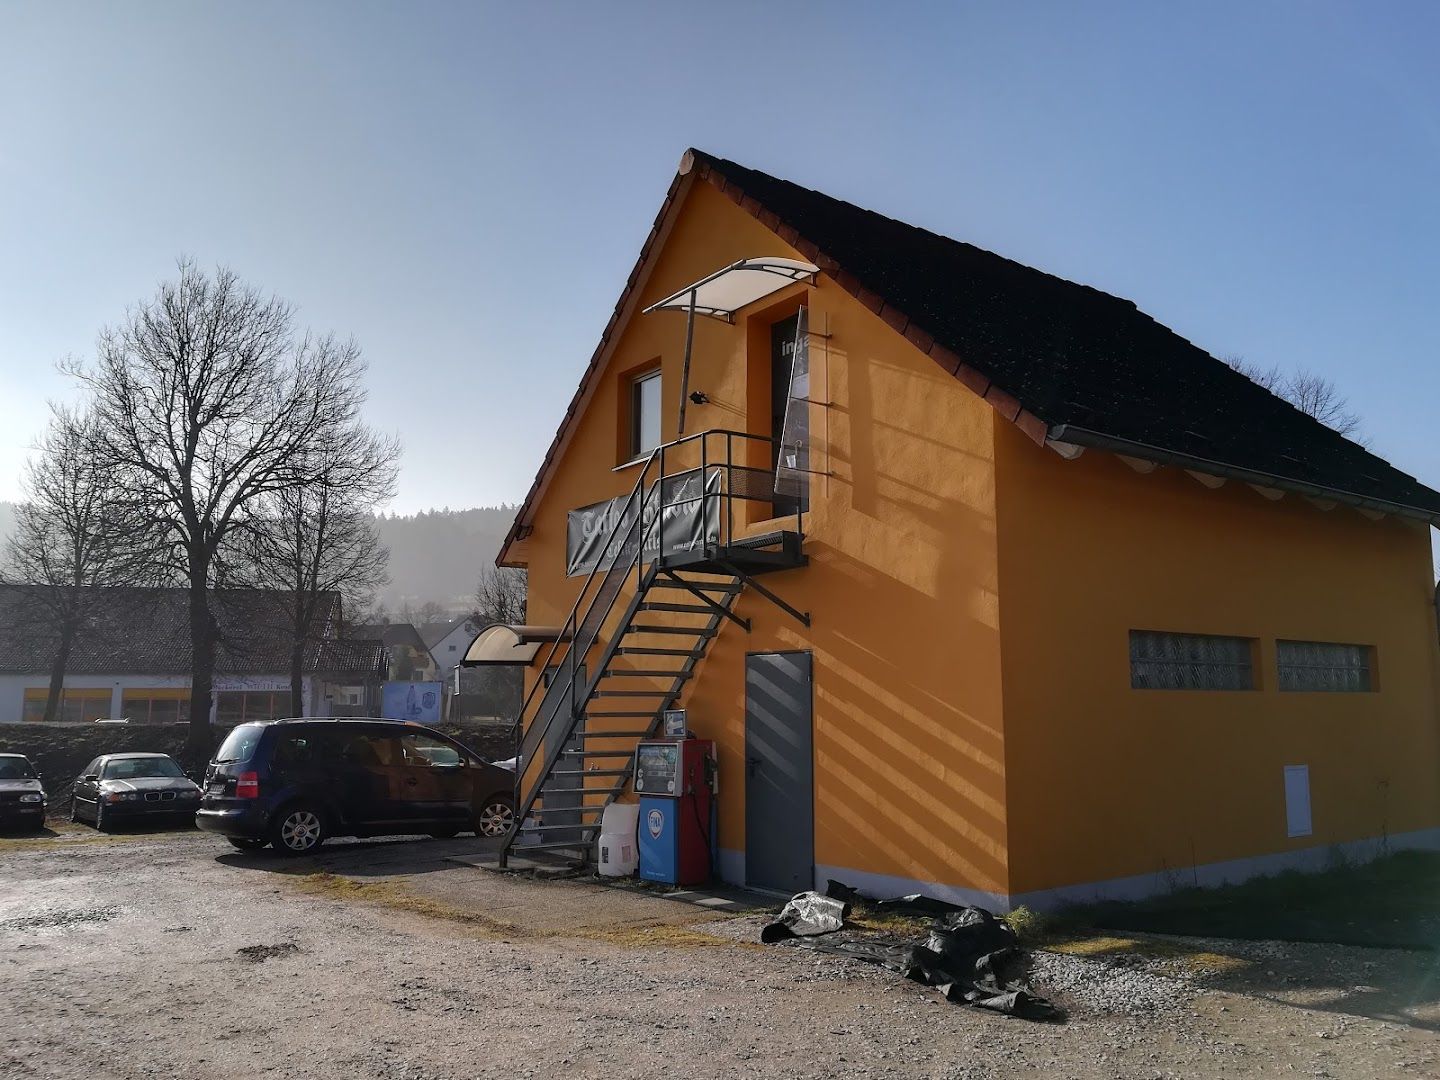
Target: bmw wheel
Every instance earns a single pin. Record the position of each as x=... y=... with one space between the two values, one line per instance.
x=298 y=830
x=496 y=817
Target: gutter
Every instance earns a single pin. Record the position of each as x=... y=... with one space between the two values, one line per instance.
x=1078 y=436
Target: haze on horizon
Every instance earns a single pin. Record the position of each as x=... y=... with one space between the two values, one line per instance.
x=464 y=188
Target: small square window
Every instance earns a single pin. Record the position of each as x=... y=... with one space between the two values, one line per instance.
x=644 y=413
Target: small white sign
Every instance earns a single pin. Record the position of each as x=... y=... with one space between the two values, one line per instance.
x=676 y=724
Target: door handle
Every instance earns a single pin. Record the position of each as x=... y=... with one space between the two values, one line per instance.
x=751 y=764
x=410 y=780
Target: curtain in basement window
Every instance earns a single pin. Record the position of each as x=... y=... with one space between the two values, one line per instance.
x=1323 y=666
x=1161 y=661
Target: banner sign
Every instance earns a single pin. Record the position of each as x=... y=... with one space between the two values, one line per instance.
x=792 y=465
x=687 y=523
x=418 y=701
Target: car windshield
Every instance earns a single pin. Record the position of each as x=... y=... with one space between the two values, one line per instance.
x=15 y=768
x=239 y=745
x=131 y=768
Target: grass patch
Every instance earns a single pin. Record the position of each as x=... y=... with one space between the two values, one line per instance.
x=65 y=835
x=1391 y=902
x=393 y=895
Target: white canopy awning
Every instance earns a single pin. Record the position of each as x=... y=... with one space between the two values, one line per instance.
x=726 y=291
x=502 y=643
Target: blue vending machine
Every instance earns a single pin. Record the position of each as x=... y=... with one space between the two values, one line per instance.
x=674 y=779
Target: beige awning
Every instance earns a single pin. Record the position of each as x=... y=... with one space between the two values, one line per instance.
x=502 y=643
x=731 y=288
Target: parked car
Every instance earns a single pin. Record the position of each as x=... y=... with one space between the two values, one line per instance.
x=294 y=783
x=22 y=797
x=130 y=787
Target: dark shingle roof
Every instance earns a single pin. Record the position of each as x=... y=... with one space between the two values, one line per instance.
x=1074 y=356
x=393 y=634
x=1058 y=358
x=146 y=632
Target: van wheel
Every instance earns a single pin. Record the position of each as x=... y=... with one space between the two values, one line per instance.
x=245 y=843
x=298 y=830
x=496 y=817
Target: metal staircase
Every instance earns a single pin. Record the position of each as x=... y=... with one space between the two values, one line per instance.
x=616 y=669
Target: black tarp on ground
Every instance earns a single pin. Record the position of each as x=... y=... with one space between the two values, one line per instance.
x=970 y=955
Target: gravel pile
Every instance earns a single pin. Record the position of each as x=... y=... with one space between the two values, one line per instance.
x=1107 y=987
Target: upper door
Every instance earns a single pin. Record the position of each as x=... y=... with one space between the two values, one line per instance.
x=782 y=357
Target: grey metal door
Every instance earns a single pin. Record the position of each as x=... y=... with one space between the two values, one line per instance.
x=779 y=772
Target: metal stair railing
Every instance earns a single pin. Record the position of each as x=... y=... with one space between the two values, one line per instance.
x=624 y=550
x=653 y=717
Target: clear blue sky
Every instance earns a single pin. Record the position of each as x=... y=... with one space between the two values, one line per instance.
x=464 y=187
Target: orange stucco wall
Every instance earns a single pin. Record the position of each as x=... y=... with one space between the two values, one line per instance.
x=971 y=596
x=901 y=587
x=1106 y=781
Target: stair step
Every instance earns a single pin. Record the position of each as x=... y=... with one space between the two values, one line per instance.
x=587 y=772
x=631 y=693
x=698 y=586
x=691 y=631
x=596 y=753
x=570 y=810
x=655 y=652
x=555 y=845
x=557 y=828
x=612 y=734
x=645 y=673
x=691 y=608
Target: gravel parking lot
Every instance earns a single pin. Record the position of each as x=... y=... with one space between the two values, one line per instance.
x=164 y=954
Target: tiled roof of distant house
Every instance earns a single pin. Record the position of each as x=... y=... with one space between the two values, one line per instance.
x=146 y=631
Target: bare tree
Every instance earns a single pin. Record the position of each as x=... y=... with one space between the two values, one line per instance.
x=206 y=401
x=501 y=594
x=1312 y=394
x=318 y=539
x=73 y=535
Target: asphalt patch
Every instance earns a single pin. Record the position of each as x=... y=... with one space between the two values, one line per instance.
x=258 y=954
x=51 y=920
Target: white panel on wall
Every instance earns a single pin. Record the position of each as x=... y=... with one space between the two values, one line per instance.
x=1297 y=800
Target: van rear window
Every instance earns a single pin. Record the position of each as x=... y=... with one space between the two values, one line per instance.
x=240 y=744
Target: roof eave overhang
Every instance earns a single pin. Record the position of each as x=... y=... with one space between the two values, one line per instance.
x=1078 y=436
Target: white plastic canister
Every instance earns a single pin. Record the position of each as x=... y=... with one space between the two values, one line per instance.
x=616 y=854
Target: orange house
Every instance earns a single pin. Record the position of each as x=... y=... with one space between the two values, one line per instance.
x=982 y=581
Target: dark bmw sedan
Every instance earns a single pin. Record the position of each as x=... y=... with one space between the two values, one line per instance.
x=117 y=788
x=22 y=799
x=293 y=783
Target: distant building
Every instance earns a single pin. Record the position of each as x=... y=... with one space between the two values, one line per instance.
x=409 y=658
x=132 y=659
x=447 y=642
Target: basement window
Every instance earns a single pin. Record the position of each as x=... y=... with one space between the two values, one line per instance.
x=1166 y=661
x=1325 y=667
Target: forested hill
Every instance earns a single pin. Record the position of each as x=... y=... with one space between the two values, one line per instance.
x=435 y=556
x=438 y=554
